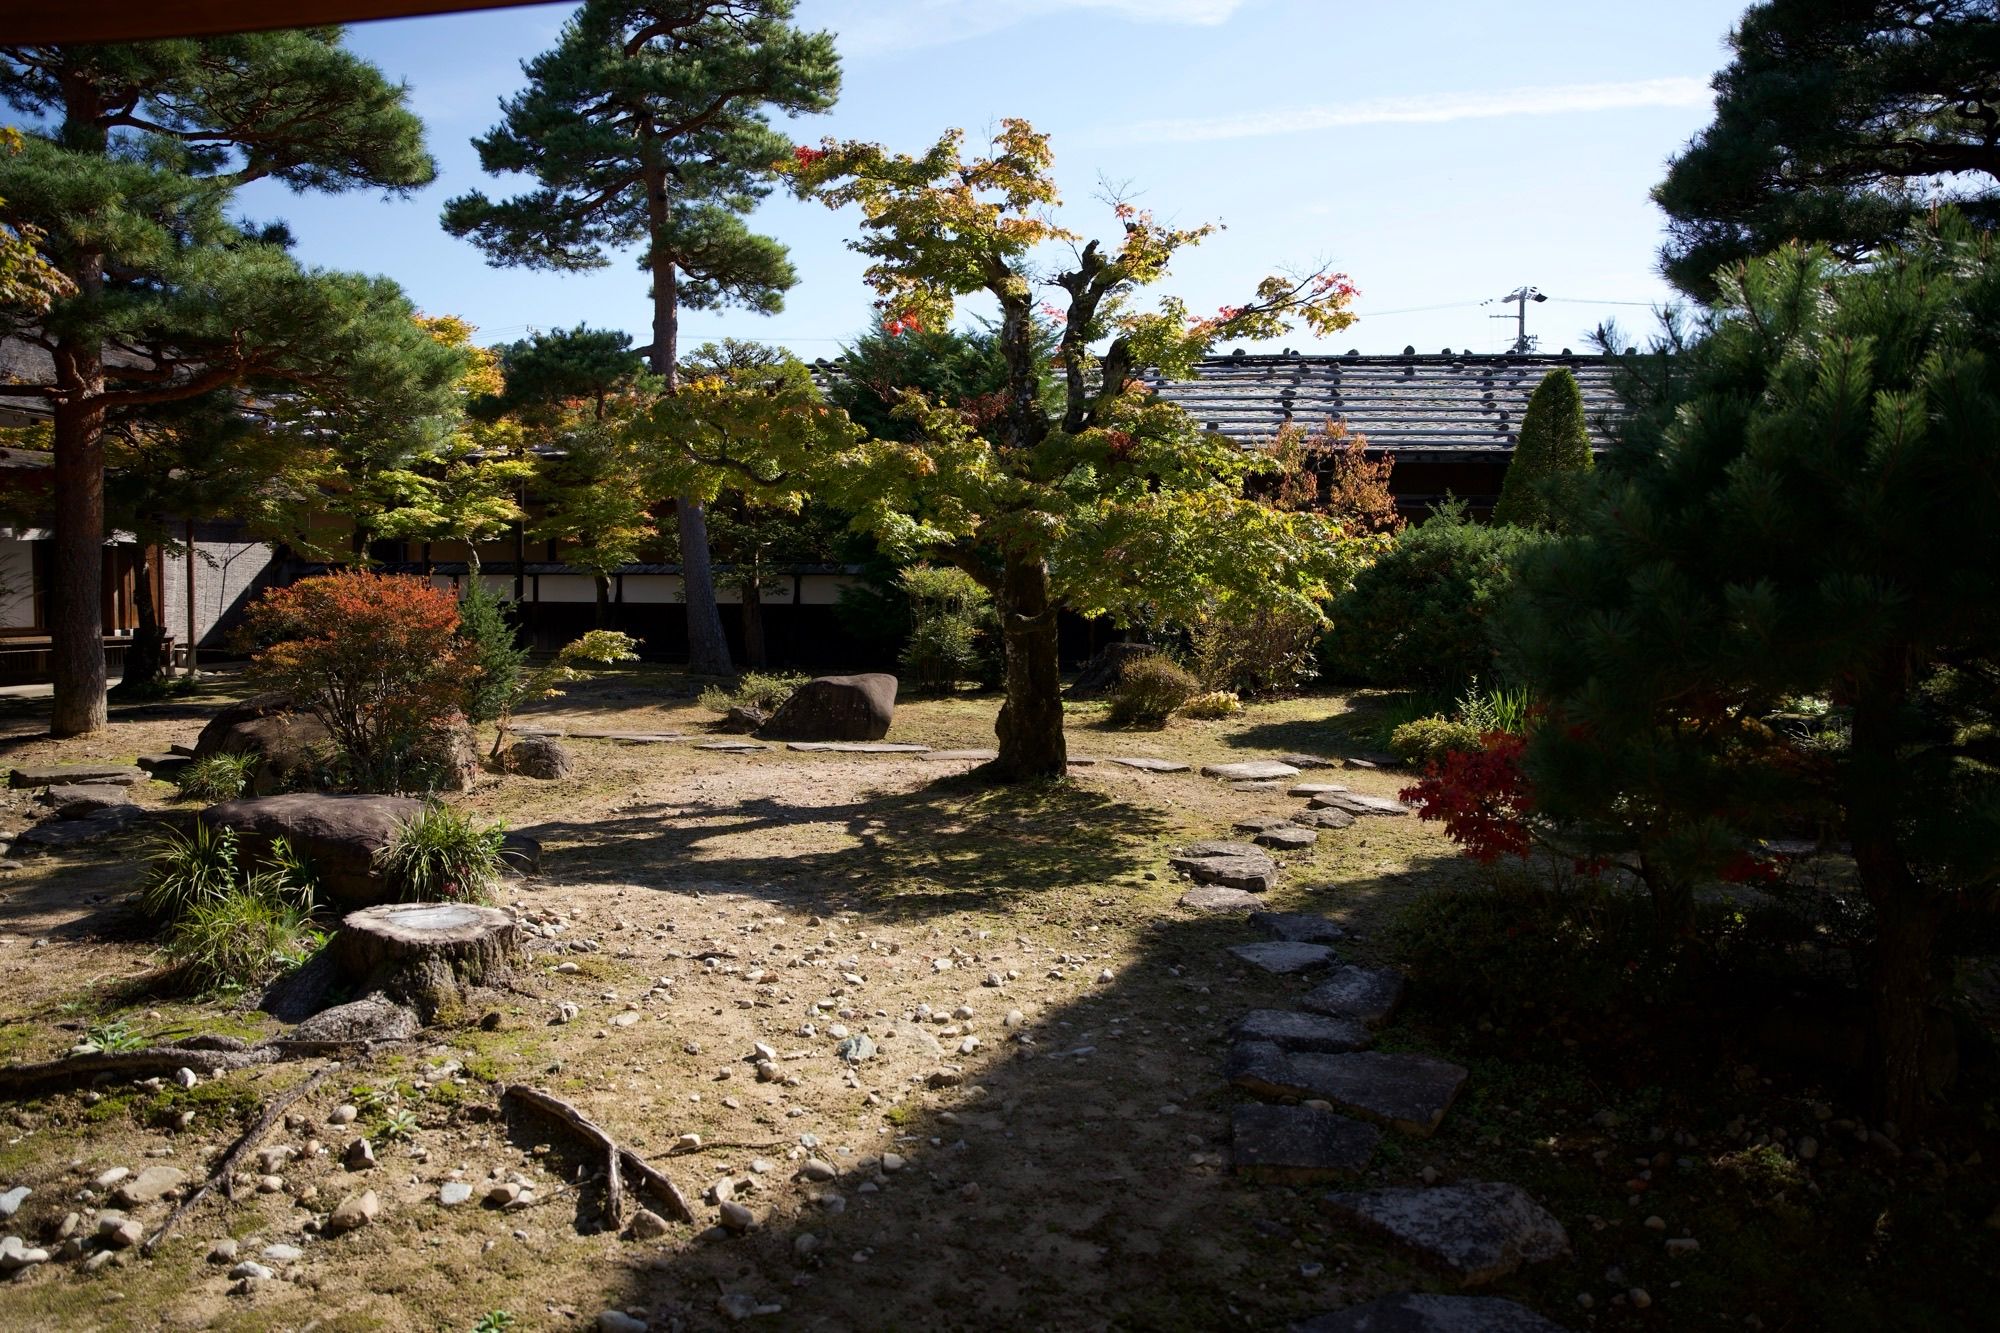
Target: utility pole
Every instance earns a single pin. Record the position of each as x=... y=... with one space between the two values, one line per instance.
x=1520 y=296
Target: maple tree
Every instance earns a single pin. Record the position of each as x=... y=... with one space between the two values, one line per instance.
x=1093 y=496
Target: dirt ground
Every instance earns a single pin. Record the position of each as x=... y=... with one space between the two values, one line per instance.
x=1039 y=1142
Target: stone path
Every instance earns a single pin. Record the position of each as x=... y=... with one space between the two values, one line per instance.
x=1473 y=1234
x=1417 y=1312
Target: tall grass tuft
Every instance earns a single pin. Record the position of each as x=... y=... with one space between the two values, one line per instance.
x=441 y=855
x=216 y=777
x=244 y=937
x=187 y=870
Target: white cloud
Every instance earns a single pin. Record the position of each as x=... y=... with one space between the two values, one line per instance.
x=873 y=27
x=1561 y=99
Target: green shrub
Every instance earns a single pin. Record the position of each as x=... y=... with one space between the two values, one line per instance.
x=486 y=627
x=753 y=689
x=1497 y=709
x=950 y=637
x=1417 y=618
x=1215 y=703
x=216 y=777
x=244 y=937
x=441 y=855
x=1150 y=690
x=1431 y=738
x=187 y=870
x=1256 y=649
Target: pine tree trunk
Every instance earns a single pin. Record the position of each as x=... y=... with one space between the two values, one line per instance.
x=1030 y=726
x=1903 y=961
x=145 y=653
x=603 y=601
x=76 y=583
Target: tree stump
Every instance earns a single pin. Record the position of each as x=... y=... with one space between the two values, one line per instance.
x=425 y=954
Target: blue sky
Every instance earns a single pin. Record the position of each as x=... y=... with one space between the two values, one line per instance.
x=1440 y=153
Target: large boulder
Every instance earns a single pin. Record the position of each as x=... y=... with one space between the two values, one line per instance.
x=291 y=748
x=1100 y=675
x=836 y=708
x=340 y=835
x=542 y=757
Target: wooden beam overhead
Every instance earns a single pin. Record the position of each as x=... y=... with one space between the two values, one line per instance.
x=45 y=22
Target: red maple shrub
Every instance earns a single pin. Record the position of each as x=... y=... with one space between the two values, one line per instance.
x=377 y=660
x=1482 y=797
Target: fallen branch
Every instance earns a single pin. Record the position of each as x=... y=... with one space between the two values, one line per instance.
x=618 y=1157
x=225 y=1170
x=151 y=1062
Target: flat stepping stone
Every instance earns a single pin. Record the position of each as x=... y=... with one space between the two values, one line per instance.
x=1259 y=823
x=516 y=730
x=1422 y=1312
x=78 y=800
x=1250 y=770
x=1409 y=1093
x=1356 y=803
x=1081 y=760
x=1299 y=927
x=186 y=751
x=1220 y=848
x=97 y=827
x=1288 y=837
x=1290 y=1030
x=969 y=756
x=1216 y=898
x=1284 y=957
x=858 y=747
x=1333 y=819
x=165 y=767
x=645 y=737
x=1474 y=1233
x=732 y=747
x=123 y=775
x=1147 y=764
x=1295 y=1145
x=1304 y=789
x=1251 y=869
x=1260 y=1068
x=1308 y=761
x=1367 y=995
x=1364 y=764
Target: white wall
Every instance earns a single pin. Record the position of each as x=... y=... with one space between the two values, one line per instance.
x=17 y=582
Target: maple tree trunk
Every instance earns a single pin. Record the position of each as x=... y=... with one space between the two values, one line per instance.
x=754 y=655
x=76 y=581
x=1030 y=725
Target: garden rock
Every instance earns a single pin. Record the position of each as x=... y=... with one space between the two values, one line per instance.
x=743 y=719
x=90 y=828
x=452 y=758
x=542 y=757
x=1250 y=770
x=1259 y=823
x=1475 y=1233
x=353 y=1213
x=372 y=1018
x=1422 y=1312
x=521 y=853
x=1232 y=865
x=1299 y=927
x=1357 y=803
x=1216 y=898
x=1323 y=818
x=1290 y=1030
x=165 y=767
x=289 y=746
x=1368 y=995
x=1410 y=1093
x=1308 y=761
x=122 y=775
x=836 y=708
x=74 y=800
x=1303 y=790
x=1101 y=674
x=1284 y=957
x=1287 y=838
x=1296 y=1145
x=340 y=835
x=1147 y=764
x=150 y=1185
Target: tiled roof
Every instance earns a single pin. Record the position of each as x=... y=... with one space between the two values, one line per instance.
x=1439 y=406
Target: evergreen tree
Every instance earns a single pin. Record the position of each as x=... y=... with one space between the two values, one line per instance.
x=488 y=632
x=123 y=190
x=1838 y=121
x=1554 y=446
x=1086 y=493
x=1811 y=529
x=646 y=126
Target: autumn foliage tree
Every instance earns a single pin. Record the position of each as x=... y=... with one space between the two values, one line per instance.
x=1096 y=498
x=376 y=658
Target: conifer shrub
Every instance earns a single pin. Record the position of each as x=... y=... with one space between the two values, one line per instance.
x=1150 y=690
x=487 y=629
x=950 y=638
x=1539 y=490
x=763 y=690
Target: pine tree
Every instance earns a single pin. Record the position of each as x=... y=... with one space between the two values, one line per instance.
x=1554 y=446
x=123 y=189
x=645 y=125
x=1838 y=121
x=1810 y=530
